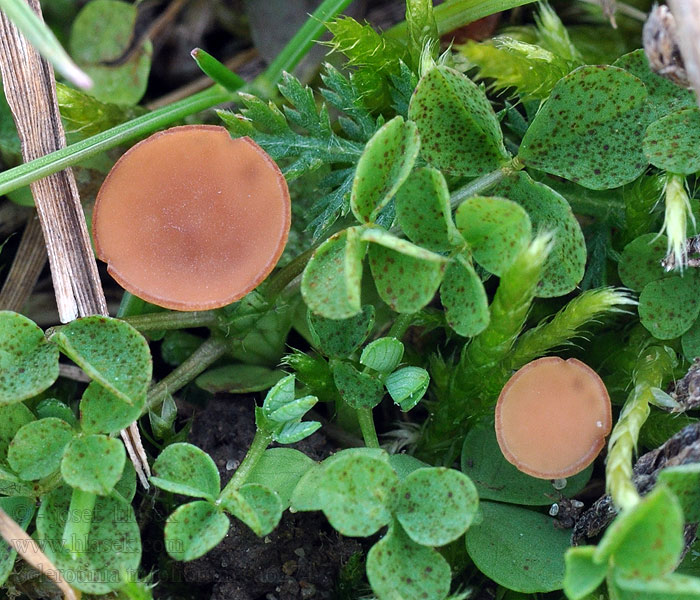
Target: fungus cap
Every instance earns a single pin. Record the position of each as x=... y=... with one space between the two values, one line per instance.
x=552 y=417
x=191 y=219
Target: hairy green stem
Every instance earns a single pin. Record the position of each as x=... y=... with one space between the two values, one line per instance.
x=653 y=366
x=400 y=325
x=366 y=421
x=480 y=184
x=290 y=56
x=172 y=320
x=260 y=443
x=207 y=354
x=77 y=528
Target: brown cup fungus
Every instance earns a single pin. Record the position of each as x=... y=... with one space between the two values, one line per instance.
x=552 y=417
x=191 y=219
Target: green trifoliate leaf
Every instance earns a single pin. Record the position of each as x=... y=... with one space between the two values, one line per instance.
x=280 y=469
x=194 y=529
x=293 y=432
x=259 y=507
x=292 y=411
x=102 y=33
x=405 y=464
x=28 y=363
x=641 y=261
x=673 y=142
x=407 y=276
x=664 y=96
x=384 y=165
x=397 y=567
x=423 y=210
x=669 y=307
x=36 y=450
x=589 y=131
x=93 y=463
x=280 y=394
x=460 y=132
x=113 y=546
x=684 y=482
x=357 y=494
x=341 y=337
x=111 y=352
x=583 y=574
x=12 y=419
x=331 y=282
x=21 y=510
x=382 y=355
x=549 y=211
x=407 y=386
x=103 y=412
x=518 y=548
x=359 y=390
x=496 y=230
x=185 y=469
x=646 y=539
x=239 y=379
x=464 y=298
x=436 y=505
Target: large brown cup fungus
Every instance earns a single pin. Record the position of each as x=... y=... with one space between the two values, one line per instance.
x=191 y=219
x=552 y=417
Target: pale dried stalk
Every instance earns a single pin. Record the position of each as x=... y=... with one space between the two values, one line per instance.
x=26 y=267
x=29 y=550
x=31 y=93
x=687 y=17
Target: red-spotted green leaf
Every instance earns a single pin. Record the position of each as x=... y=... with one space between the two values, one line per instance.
x=28 y=363
x=12 y=419
x=423 y=210
x=669 y=307
x=357 y=494
x=259 y=507
x=36 y=450
x=280 y=469
x=103 y=412
x=641 y=261
x=185 y=469
x=645 y=541
x=341 y=337
x=496 y=230
x=673 y=142
x=330 y=285
x=21 y=510
x=664 y=96
x=459 y=131
x=675 y=586
x=684 y=482
x=464 y=298
x=194 y=529
x=93 y=463
x=590 y=128
x=436 y=505
x=111 y=352
x=359 y=390
x=549 y=211
x=397 y=567
x=384 y=165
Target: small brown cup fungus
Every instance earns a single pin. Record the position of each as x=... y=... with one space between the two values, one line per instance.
x=552 y=417
x=191 y=219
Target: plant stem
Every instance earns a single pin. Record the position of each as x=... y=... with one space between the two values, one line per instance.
x=204 y=356
x=141 y=126
x=77 y=529
x=260 y=443
x=366 y=421
x=172 y=320
x=282 y=278
x=479 y=185
x=400 y=325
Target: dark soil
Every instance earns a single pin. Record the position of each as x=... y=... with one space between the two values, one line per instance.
x=301 y=559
